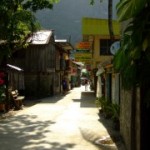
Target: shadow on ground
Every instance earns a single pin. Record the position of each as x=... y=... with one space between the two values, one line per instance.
x=51 y=99
x=87 y=99
x=113 y=131
x=25 y=132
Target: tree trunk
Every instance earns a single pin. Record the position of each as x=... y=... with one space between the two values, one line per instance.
x=110 y=24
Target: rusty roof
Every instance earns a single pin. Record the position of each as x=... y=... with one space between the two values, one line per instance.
x=64 y=44
x=40 y=37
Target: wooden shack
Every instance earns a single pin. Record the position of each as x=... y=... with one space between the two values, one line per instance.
x=63 y=47
x=38 y=62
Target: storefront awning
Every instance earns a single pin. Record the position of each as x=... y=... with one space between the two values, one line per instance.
x=64 y=44
x=14 y=67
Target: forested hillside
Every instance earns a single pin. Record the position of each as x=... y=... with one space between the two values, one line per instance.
x=66 y=16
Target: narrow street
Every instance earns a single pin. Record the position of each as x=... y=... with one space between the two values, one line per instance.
x=68 y=122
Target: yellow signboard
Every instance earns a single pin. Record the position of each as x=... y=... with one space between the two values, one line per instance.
x=88 y=61
x=83 y=57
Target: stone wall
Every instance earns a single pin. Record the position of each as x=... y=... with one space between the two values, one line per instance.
x=130 y=119
x=125 y=117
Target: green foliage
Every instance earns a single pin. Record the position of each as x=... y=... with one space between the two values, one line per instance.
x=115 y=109
x=17 y=21
x=35 y=5
x=109 y=109
x=2 y=87
x=99 y=101
x=2 y=93
x=93 y=1
x=130 y=8
x=135 y=44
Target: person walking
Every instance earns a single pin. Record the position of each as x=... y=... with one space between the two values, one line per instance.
x=64 y=85
x=86 y=84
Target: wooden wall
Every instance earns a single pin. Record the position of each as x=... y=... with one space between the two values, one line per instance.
x=40 y=58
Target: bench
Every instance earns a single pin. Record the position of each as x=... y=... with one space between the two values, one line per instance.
x=17 y=99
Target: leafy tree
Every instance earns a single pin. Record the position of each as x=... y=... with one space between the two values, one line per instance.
x=17 y=21
x=134 y=55
x=133 y=58
x=127 y=9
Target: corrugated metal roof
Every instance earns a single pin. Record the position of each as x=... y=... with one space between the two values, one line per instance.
x=40 y=37
x=14 y=67
x=64 y=44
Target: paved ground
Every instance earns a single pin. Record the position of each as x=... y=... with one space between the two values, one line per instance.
x=68 y=122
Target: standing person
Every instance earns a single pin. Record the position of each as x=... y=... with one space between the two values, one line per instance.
x=86 y=84
x=99 y=75
x=64 y=85
x=91 y=84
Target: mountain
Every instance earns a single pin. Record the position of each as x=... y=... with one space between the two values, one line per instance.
x=66 y=17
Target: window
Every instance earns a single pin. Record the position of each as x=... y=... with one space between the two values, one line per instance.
x=105 y=47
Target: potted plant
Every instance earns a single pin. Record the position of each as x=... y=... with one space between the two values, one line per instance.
x=115 y=108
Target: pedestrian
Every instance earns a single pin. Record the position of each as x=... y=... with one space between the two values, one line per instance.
x=86 y=84
x=90 y=85
x=64 y=85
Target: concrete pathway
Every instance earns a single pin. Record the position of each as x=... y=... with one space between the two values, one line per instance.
x=68 y=122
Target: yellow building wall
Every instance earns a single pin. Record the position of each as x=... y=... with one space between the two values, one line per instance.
x=97 y=58
x=98 y=29
x=95 y=26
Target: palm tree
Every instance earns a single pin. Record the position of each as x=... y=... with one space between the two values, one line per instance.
x=110 y=14
x=110 y=25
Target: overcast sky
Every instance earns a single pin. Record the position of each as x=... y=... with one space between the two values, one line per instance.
x=66 y=17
